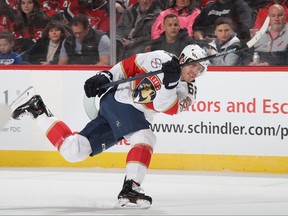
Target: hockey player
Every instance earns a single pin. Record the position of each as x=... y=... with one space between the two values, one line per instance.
x=126 y=111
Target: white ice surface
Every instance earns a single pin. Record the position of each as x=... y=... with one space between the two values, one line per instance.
x=93 y=192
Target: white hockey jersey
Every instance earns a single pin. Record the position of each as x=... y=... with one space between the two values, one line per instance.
x=149 y=94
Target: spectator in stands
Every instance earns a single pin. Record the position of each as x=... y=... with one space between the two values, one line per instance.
x=98 y=12
x=66 y=9
x=263 y=12
x=273 y=45
x=86 y=45
x=133 y=31
x=60 y=18
x=186 y=12
x=203 y=3
x=47 y=49
x=7 y=55
x=7 y=17
x=173 y=39
x=120 y=6
x=50 y=7
x=237 y=10
x=29 y=26
x=256 y=6
x=164 y=4
x=11 y=3
x=225 y=40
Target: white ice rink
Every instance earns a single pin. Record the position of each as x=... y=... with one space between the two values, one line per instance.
x=94 y=191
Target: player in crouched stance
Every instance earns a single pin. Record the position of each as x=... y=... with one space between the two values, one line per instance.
x=126 y=111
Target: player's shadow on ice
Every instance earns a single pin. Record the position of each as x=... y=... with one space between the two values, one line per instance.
x=67 y=210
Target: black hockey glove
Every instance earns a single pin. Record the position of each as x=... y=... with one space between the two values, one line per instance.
x=172 y=71
x=92 y=84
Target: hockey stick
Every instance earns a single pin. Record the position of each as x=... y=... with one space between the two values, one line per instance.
x=26 y=51
x=90 y=103
x=249 y=44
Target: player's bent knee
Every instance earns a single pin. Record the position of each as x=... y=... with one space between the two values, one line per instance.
x=75 y=148
x=144 y=136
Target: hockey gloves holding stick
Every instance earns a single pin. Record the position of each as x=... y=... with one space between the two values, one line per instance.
x=172 y=71
x=92 y=85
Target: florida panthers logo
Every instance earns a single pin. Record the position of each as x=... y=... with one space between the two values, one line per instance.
x=145 y=92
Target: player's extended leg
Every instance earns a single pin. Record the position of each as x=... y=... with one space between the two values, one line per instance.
x=137 y=164
x=73 y=147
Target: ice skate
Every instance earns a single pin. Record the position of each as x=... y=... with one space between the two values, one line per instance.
x=131 y=197
x=28 y=103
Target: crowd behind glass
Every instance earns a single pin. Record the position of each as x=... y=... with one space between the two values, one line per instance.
x=78 y=31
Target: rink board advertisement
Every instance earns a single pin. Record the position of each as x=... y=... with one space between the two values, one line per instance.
x=238 y=123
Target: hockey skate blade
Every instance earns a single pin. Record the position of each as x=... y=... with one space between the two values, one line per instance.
x=5 y=114
x=126 y=204
x=23 y=98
